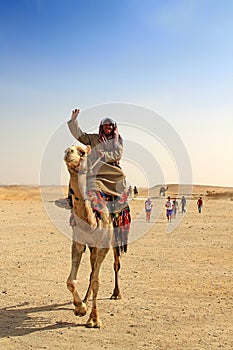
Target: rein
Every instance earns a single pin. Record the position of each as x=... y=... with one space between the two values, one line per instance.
x=78 y=199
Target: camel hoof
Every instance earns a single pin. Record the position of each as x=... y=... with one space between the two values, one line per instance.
x=80 y=310
x=115 y=296
x=93 y=323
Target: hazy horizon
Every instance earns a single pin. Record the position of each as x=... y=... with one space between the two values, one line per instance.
x=158 y=185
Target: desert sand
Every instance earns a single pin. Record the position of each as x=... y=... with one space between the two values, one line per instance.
x=177 y=287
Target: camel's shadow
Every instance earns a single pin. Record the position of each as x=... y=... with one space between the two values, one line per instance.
x=19 y=320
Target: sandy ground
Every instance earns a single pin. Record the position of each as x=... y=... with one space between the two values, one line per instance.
x=177 y=287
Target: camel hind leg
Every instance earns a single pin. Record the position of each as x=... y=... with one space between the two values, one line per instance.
x=97 y=257
x=116 y=292
x=77 y=252
x=89 y=289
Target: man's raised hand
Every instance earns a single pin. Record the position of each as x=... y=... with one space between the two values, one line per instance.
x=75 y=113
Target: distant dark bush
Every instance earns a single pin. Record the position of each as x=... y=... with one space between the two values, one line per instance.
x=219 y=194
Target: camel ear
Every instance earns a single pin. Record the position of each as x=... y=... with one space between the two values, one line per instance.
x=81 y=150
x=88 y=149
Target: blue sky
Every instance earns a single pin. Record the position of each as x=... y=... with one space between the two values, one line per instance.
x=173 y=57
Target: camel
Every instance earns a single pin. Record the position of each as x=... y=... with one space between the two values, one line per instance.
x=89 y=231
x=162 y=191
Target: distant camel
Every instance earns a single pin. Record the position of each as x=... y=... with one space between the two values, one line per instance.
x=97 y=234
x=162 y=191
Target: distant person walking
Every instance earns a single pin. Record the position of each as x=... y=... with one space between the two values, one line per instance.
x=130 y=191
x=169 y=205
x=135 y=191
x=175 y=207
x=148 y=208
x=199 y=204
x=183 y=204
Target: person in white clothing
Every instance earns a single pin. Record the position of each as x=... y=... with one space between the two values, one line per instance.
x=169 y=205
x=148 y=208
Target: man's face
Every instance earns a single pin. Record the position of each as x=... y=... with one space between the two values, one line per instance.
x=107 y=128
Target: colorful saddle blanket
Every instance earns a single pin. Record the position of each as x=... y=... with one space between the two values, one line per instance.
x=120 y=212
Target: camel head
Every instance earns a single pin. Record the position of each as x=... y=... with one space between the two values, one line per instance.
x=76 y=156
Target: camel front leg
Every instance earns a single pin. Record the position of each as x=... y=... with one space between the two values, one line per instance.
x=97 y=257
x=77 y=252
x=116 y=292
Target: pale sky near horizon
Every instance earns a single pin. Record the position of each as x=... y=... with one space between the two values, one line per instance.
x=172 y=57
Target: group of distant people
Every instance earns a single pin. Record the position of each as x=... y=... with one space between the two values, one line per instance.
x=171 y=207
x=132 y=191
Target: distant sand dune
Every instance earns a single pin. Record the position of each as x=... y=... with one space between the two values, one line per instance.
x=19 y=193
x=25 y=193
x=193 y=191
x=33 y=193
